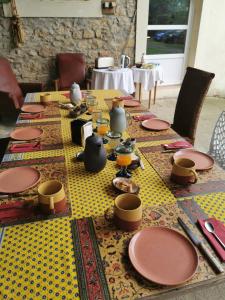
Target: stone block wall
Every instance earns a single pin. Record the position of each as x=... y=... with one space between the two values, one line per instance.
x=111 y=35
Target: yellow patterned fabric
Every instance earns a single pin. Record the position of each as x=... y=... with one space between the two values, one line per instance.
x=37 y=260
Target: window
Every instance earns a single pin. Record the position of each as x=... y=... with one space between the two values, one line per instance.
x=167 y=26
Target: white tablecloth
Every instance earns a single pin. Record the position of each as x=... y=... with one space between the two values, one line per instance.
x=147 y=77
x=120 y=79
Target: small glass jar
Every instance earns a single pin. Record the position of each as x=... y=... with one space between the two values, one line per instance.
x=96 y=115
x=124 y=158
x=85 y=94
x=114 y=140
x=103 y=128
x=91 y=103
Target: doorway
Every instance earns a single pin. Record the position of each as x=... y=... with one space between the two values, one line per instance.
x=166 y=39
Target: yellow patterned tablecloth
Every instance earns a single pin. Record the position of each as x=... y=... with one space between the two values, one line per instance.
x=37 y=259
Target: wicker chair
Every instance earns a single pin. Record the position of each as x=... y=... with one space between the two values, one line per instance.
x=217 y=144
x=189 y=103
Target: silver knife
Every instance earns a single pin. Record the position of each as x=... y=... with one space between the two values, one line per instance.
x=170 y=151
x=195 y=240
x=140 y=161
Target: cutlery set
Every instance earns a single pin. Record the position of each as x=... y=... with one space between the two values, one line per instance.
x=23 y=146
x=170 y=151
x=216 y=265
x=10 y=196
x=173 y=150
x=27 y=116
x=17 y=207
x=210 y=228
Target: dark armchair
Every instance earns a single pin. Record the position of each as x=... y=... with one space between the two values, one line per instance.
x=12 y=96
x=70 y=67
x=12 y=93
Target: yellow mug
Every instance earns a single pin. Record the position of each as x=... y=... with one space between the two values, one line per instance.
x=117 y=102
x=52 y=197
x=45 y=98
x=183 y=171
x=126 y=213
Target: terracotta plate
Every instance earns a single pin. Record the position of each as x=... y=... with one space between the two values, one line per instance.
x=155 y=124
x=131 y=103
x=16 y=180
x=163 y=255
x=202 y=161
x=33 y=108
x=26 y=133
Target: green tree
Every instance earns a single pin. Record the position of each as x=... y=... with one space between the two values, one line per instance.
x=164 y=12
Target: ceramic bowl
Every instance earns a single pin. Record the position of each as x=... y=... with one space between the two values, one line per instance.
x=125 y=185
x=138 y=65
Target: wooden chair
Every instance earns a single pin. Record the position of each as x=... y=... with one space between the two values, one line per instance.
x=70 y=67
x=189 y=103
x=217 y=144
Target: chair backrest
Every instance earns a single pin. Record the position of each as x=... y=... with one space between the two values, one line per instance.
x=190 y=99
x=70 y=68
x=217 y=144
x=8 y=110
x=9 y=84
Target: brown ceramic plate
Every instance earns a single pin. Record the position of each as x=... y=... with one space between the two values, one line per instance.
x=155 y=124
x=163 y=255
x=131 y=103
x=202 y=161
x=33 y=108
x=16 y=180
x=125 y=185
x=26 y=133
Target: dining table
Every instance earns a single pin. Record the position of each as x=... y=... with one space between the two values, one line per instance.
x=113 y=78
x=78 y=254
x=147 y=79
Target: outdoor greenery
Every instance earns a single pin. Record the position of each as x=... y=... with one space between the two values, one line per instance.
x=168 y=12
x=163 y=48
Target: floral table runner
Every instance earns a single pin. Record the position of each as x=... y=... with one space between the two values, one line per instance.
x=51 y=138
x=209 y=181
x=52 y=110
x=49 y=168
x=101 y=252
x=135 y=130
x=136 y=109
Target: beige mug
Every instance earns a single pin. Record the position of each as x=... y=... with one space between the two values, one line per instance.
x=126 y=212
x=183 y=171
x=51 y=197
x=44 y=99
x=117 y=102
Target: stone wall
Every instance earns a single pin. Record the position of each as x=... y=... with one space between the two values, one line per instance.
x=44 y=37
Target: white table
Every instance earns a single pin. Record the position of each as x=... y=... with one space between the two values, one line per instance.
x=148 y=78
x=119 y=79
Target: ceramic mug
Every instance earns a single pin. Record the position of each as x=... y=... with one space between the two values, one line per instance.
x=183 y=171
x=126 y=212
x=117 y=102
x=51 y=197
x=45 y=98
